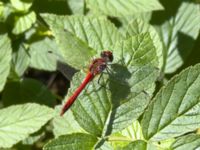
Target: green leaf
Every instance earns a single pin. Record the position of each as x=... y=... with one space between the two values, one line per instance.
x=136 y=145
x=130 y=101
x=175 y=109
x=65 y=124
x=5 y=58
x=138 y=26
x=24 y=22
x=138 y=50
x=129 y=20
x=104 y=146
x=44 y=54
x=127 y=135
x=161 y=145
x=90 y=110
x=72 y=141
x=134 y=131
x=77 y=7
x=32 y=139
x=82 y=36
x=17 y=122
x=178 y=34
x=123 y=8
x=103 y=110
x=118 y=141
x=5 y=11
x=28 y=90
x=35 y=137
x=20 y=61
x=191 y=141
x=1 y=9
x=21 y=5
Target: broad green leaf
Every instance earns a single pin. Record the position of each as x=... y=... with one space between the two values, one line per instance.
x=127 y=135
x=82 y=36
x=24 y=22
x=5 y=11
x=160 y=145
x=191 y=141
x=102 y=110
x=65 y=124
x=35 y=137
x=138 y=50
x=77 y=7
x=104 y=146
x=5 y=58
x=44 y=54
x=127 y=20
x=72 y=141
x=21 y=5
x=123 y=8
x=32 y=139
x=1 y=9
x=152 y=146
x=178 y=34
x=92 y=107
x=27 y=90
x=18 y=121
x=138 y=26
x=134 y=131
x=175 y=109
x=136 y=145
x=130 y=98
x=118 y=141
x=20 y=61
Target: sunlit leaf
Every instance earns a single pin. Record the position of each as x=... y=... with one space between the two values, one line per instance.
x=191 y=141
x=138 y=26
x=17 y=122
x=122 y=8
x=72 y=141
x=22 y=5
x=65 y=124
x=103 y=110
x=24 y=22
x=136 y=145
x=44 y=54
x=82 y=36
x=134 y=131
x=178 y=34
x=175 y=109
x=20 y=61
x=5 y=58
x=77 y=7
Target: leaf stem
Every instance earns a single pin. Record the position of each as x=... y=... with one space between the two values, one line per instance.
x=117 y=138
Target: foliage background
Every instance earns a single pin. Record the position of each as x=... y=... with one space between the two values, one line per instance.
x=151 y=101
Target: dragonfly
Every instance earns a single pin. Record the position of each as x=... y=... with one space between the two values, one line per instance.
x=97 y=66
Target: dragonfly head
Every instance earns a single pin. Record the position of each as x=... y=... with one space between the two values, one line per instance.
x=107 y=55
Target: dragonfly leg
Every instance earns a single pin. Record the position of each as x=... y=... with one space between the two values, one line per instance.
x=109 y=71
x=103 y=85
x=99 y=78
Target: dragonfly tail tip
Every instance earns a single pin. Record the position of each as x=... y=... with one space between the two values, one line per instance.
x=62 y=113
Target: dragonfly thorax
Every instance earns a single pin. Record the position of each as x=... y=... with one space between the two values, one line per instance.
x=98 y=66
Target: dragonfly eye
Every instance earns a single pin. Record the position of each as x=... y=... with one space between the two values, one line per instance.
x=107 y=55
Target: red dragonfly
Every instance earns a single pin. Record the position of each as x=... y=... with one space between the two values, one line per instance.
x=97 y=66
